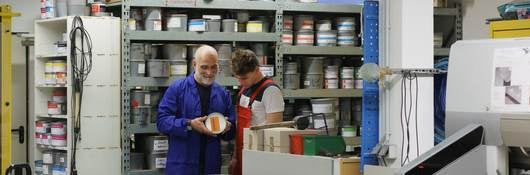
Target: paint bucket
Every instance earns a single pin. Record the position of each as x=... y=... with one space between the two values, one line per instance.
x=314 y=65
x=260 y=49
x=42 y=127
x=224 y=68
x=58 y=170
x=305 y=38
x=46 y=139
x=59 y=96
x=153 y=24
x=59 y=158
x=55 y=108
x=47 y=157
x=358 y=81
x=291 y=80
x=331 y=72
x=197 y=25
x=138 y=51
x=213 y=25
x=140 y=98
x=254 y=26
x=38 y=167
x=287 y=22
x=265 y=27
x=331 y=83
x=242 y=16
x=60 y=78
x=345 y=38
x=174 y=51
x=176 y=22
x=327 y=38
x=229 y=25
x=313 y=81
x=158 y=68
x=49 y=78
x=323 y=25
x=178 y=67
x=137 y=161
x=155 y=144
x=224 y=51
x=156 y=161
x=140 y=115
x=345 y=24
x=287 y=37
x=346 y=83
x=47 y=169
x=304 y=22
x=291 y=68
x=137 y=68
x=267 y=70
x=324 y=105
x=58 y=128
x=58 y=140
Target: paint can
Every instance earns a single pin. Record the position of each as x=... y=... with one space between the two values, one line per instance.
x=140 y=115
x=291 y=68
x=318 y=122
x=331 y=83
x=224 y=51
x=158 y=68
x=47 y=157
x=137 y=161
x=313 y=81
x=358 y=81
x=58 y=140
x=287 y=22
x=323 y=25
x=42 y=127
x=38 y=138
x=213 y=25
x=197 y=25
x=153 y=19
x=55 y=108
x=313 y=65
x=287 y=37
x=59 y=96
x=58 y=170
x=46 y=139
x=174 y=51
x=137 y=68
x=305 y=38
x=178 y=67
x=140 y=98
x=224 y=68
x=324 y=105
x=176 y=22
x=59 y=65
x=291 y=80
x=346 y=83
x=97 y=8
x=345 y=38
x=331 y=72
x=254 y=26
x=156 y=161
x=58 y=128
x=265 y=27
x=49 y=78
x=327 y=38
x=267 y=70
x=345 y=24
x=155 y=144
x=48 y=67
x=59 y=158
x=304 y=22
x=229 y=25
x=60 y=78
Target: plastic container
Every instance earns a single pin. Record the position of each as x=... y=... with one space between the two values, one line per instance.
x=174 y=51
x=158 y=68
x=229 y=25
x=287 y=37
x=176 y=22
x=324 y=105
x=304 y=22
x=213 y=25
x=313 y=81
x=137 y=68
x=313 y=145
x=296 y=145
x=305 y=38
x=327 y=38
x=137 y=161
x=178 y=68
x=254 y=26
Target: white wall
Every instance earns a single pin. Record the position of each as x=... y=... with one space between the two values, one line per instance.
x=475 y=13
x=30 y=10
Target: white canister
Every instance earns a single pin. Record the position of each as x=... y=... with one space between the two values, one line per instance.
x=49 y=78
x=55 y=108
x=331 y=83
x=59 y=96
x=46 y=139
x=346 y=73
x=58 y=128
x=347 y=83
x=38 y=138
x=58 y=140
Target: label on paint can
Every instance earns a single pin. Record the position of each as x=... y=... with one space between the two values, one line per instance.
x=48 y=67
x=58 y=140
x=49 y=78
x=305 y=39
x=346 y=84
x=319 y=123
x=197 y=25
x=160 y=145
x=141 y=68
x=345 y=40
x=332 y=83
x=345 y=26
x=287 y=38
x=179 y=69
x=358 y=84
x=307 y=83
x=147 y=99
x=60 y=78
x=157 y=25
x=322 y=108
x=254 y=27
x=37 y=138
x=174 y=22
x=46 y=138
x=160 y=162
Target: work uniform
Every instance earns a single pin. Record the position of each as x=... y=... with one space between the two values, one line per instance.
x=180 y=104
x=253 y=105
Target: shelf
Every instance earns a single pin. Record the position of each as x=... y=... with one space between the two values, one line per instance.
x=114 y=4
x=145 y=172
x=445 y=11
x=319 y=7
x=320 y=93
x=321 y=50
x=52 y=116
x=236 y=5
x=140 y=129
x=150 y=81
x=53 y=20
x=227 y=81
x=52 y=147
x=441 y=51
x=50 y=86
x=201 y=36
x=52 y=55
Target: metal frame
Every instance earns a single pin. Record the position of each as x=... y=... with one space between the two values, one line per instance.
x=456 y=12
x=279 y=7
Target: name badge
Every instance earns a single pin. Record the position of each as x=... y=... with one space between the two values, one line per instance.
x=244 y=101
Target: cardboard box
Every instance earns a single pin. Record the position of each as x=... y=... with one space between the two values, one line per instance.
x=348 y=166
x=277 y=139
x=253 y=139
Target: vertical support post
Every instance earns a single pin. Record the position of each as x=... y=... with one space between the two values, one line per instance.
x=370 y=101
x=126 y=43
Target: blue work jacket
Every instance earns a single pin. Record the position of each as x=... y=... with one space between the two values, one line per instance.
x=181 y=103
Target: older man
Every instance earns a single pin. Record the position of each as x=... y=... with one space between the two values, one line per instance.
x=193 y=149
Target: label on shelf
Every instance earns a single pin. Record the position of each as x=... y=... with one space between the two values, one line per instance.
x=160 y=162
x=157 y=25
x=160 y=145
x=141 y=68
x=147 y=99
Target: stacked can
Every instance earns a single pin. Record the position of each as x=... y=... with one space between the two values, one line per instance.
x=42 y=133
x=303 y=25
x=291 y=76
x=225 y=59
x=325 y=36
x=52 y=162
x=48 y=9
x=346 y=28
x=155 y=149
x=329 y=107
x=287 y=34
x=55 y=72
x=176 y=53
x=136 y=20
x=358 y=81
x=144 y=106
x=346 y=78
x=331 y=75
x=313 y=72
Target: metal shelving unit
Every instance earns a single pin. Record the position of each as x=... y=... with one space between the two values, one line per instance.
x=441 y=51
x=278 y=7
x=456 y=13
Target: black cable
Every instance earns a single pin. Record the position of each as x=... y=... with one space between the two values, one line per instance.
x=416 y=118
x=401 y=122
x=81 y=67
